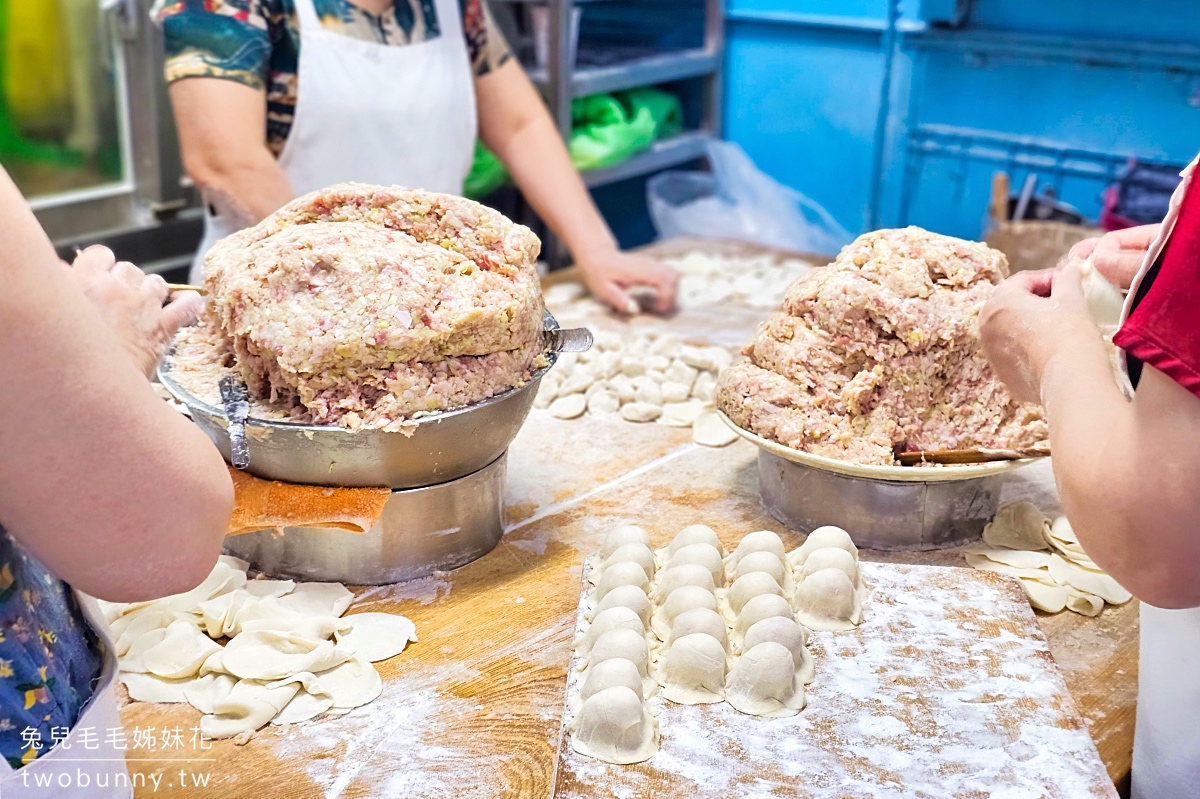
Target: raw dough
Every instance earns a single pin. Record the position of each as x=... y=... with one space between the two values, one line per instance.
x=617 y=671
x=618 y=618
x=761 y=607
x=1048 y=596
x=984 y=563
x=265 y=588
x=694 y=670
x=631 y=553
x=303 y=707
x=626 y=596
x=613 y=726
x=618 y=574
x=783 y=630
x=1018 y=525
x=250 y=705
x=826 y=600
x=274 y=656
x=1105 y=302
x=1087 y=581
x=646 y=392
x=689 y=597
x=378 y=636
x=710 y=431
x=318 y=599
x=700 y=620
x=759 y=541
x=749 y=586
x=1020 y=558
x=682 y=413
x=832 y=558
x=695 y=534
x=181 y=652
x=677 y=394
x=823 y=538
x=763 y=682
x=352 y=684
x=149 y=688
x=626 y=644
x=685 y=574
x=766 y=562
x=569 y=407
x=705 y=555
x=622 y=535
x=1084 y=603
x=603 y=403
x=640 y=411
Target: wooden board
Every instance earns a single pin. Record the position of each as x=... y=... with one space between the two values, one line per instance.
x=946 y=689
x=474 y=708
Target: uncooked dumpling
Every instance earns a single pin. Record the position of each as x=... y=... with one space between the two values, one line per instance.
x=763 y=606
x=626 y=596
x=272 y=588
x=303 y=707
x=783 y=630
x=749 y=586
x=1019 y=525
x=378 y=636
x=763 y=682
x=705 y=555
x=622 y=535
x=694 y=534
x=767 y=562
x=759 y=541
x=203 y=693
x=318 y=599
x=617 y=671
x=613 y=726
x=1083 y=603
x=832 y=558
x=1087 y=581
x=625 y=644
x=631 y=553
x=826 y=600
x=274 y=656
x=617 y=618
x=1048 y=596
x=694 y=670
x=689 y=597
x=823 y=538
x=700 y=620
x=619 y=574
x=132 y=626
x=678 y=576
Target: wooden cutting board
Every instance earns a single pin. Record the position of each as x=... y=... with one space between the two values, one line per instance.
x=946 y=689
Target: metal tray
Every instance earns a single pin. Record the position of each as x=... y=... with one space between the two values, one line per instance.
x=882 y=507
x=441 y=448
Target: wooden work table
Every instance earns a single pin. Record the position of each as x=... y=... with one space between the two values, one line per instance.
x=474 y=709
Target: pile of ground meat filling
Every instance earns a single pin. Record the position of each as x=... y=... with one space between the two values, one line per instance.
x=363 y=305
x=878 y=353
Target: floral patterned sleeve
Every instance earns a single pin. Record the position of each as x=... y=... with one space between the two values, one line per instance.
x=216 y=39
x=485 y=42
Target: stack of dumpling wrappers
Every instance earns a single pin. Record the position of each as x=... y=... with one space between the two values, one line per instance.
x=1046 y=558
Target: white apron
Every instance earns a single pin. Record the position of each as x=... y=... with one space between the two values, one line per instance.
x=375 y=113
x=1166 y=747
x=88 y=764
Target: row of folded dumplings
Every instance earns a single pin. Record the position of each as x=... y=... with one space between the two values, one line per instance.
x=704 y=626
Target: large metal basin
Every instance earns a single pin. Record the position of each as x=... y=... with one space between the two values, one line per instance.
x=441 y=448
x=882 y=507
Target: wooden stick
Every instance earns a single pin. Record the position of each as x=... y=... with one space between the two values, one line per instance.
x=962 y=456
x=174 y=287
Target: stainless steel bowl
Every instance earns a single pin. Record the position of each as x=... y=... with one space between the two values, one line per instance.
x=882 y=507
x=441 y=448
x=421 y=530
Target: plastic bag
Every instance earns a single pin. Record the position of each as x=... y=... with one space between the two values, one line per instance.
x=487 y=174
x=739 y=201
x=605 y=133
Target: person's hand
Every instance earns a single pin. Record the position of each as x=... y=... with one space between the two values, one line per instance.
x=1117 y=255
x=610 y=275
x=131 y=303
x=1032 y=318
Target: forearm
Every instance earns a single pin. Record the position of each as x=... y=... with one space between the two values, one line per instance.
x=111 y=489
x=1127 y=473
x=222 y=134
x=515 y=125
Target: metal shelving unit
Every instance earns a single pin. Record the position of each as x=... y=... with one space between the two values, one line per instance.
x=561 y=82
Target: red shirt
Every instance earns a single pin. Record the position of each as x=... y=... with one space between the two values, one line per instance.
x=1163 y=330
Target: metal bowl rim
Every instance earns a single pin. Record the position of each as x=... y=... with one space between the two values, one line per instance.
x=894 y=474
x=192 y=402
